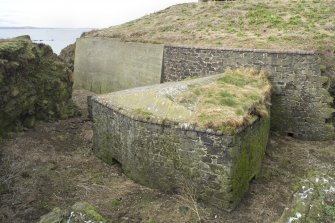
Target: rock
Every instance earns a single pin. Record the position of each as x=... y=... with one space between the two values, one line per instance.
x=67 y=55
x=312 y=202
x=56 y=216
x=35 y=84
x=83 y=211
x=80 y=212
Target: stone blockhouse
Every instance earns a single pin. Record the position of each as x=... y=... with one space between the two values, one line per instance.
x=171 y=154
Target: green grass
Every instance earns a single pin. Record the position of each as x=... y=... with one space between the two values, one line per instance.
x=224 y=94
x=235 y=79
x=261 y=14
x=231 y=102
x=330 y=211
x=116 y=202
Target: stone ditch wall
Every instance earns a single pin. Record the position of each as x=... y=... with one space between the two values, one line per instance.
x=300 y=105
x=171 y=158
x=107 y=65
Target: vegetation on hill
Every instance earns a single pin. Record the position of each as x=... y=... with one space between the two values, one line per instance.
x=279 y=24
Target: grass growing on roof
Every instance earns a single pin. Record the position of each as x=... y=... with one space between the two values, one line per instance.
x=223 y=102
x=233 y=101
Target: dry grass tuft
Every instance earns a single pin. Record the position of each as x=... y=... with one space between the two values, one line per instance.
x=233 y=101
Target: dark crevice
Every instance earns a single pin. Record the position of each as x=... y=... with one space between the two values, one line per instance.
x=118 y=166
x=115 y=162
x=290 y=134
x=252 y=179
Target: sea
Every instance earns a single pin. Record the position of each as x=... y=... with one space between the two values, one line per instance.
x=57 y=38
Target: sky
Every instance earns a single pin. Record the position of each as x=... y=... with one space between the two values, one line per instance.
x=77 y=13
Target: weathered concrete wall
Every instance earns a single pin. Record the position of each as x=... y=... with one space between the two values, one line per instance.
x=300 y=106
x=171 y=158
x=107 y=65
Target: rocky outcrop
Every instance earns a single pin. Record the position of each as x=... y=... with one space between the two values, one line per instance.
x=313 y=202
x=79 y=212
x=67 y=55
x=35 y=84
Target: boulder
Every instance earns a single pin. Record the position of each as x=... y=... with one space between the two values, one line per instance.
x=78 y=213
x=314 y=201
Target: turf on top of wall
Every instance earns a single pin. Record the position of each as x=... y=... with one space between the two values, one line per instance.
x=225 y=102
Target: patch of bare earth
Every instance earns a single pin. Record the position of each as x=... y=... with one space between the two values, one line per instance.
x=53 y=165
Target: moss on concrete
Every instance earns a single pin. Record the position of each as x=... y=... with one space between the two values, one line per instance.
x=249 y=155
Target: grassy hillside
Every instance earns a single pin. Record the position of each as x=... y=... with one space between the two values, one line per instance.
x=278 y=24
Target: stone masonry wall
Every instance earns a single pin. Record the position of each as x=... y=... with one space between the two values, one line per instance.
x=170 y=158
x=300 y=105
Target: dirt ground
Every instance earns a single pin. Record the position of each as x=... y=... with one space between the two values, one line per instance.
x=53 y=165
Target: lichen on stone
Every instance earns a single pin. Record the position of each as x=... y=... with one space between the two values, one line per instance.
x=313 y=202
x=78 y=213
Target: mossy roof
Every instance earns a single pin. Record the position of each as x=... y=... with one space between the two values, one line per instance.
x=224 y=102
x=278 y=24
